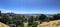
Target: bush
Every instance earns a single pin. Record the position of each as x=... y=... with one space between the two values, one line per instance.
x=34 y=24
x=56 y=16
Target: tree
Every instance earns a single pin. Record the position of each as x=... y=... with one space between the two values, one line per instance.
x=0 y=13
x=18 y=20
x=4 y=18
x=42 y=17
x=30 y=21
x=34 y=24
x=56 y=16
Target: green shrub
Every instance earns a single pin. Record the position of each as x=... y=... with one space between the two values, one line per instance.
x=34 y=24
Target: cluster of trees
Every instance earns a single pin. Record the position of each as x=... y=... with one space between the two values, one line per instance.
x=17 y=20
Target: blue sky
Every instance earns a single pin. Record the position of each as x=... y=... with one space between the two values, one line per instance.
x=30 y=6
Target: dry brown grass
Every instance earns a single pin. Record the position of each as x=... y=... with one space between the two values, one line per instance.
x=55 y=23
x=3 y=25
x=25 y=24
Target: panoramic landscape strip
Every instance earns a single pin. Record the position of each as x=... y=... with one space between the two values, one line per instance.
x=28 y=20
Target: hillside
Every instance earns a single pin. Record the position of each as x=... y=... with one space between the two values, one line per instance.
x=3 y=25
x=55 y=23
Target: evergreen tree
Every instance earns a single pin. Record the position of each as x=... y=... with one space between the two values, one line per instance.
x=42 y=17
x=0 y=13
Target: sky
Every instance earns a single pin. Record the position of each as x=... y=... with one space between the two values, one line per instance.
x=30 y=6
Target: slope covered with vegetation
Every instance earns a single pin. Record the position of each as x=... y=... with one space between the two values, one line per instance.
x=19 y=20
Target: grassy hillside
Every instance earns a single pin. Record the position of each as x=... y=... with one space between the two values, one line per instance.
x=3 y=25
x=55 y=23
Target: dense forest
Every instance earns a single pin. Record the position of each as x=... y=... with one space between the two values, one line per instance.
x=18 y=20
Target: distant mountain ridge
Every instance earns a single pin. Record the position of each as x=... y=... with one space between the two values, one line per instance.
x=30 y=14
x=36 y=14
